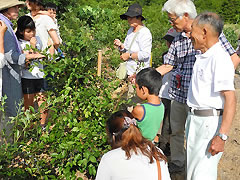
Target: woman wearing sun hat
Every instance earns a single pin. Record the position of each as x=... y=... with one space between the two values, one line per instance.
x=13 y=59
x=137 y=46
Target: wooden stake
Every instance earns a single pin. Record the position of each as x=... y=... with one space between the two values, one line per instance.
x=99 y=62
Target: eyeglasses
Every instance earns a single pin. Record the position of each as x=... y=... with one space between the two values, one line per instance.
x=173 y=20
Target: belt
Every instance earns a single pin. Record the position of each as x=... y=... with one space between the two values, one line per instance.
x=206 y=112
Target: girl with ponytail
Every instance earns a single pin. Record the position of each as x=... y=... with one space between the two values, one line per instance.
x=132 y=156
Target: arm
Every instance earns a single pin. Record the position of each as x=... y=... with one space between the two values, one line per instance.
x=235 y=59
x=138 y=112
x=3 y=29
x=217 y=144
x=164 y=69
x=145 y=46
x=53 y=34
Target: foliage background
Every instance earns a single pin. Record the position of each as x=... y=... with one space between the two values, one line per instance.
x=80 y=102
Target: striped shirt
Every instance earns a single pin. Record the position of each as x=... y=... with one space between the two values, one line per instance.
x=181 y=55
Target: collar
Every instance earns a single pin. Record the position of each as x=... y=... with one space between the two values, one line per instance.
x=210 y=51
x=5 y=19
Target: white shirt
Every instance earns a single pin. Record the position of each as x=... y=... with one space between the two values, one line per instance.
x=213 y=72
x=165 y=85
x=2 y=64
x=44 y=24
x=142 y=44
x=37 y=71
x=114 y=165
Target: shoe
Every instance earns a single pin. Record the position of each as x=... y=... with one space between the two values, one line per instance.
x=173 y=168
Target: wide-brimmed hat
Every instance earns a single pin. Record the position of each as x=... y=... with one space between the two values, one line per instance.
x=170 y=35
x=5 y=4
x=133 y=11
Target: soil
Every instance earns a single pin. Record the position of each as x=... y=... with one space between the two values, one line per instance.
x=229 y=165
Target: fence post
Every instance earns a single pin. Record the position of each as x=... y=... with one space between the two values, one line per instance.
x=99 y=62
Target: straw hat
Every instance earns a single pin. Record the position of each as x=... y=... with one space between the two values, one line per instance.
x=5 y=4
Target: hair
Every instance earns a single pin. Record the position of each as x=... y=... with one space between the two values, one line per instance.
x=38 y=3
x=151 y=79
x=4 y=11
x=50 y=6
x=179 y=7
x=24 y=22
x=129 y=138
x=212 y=19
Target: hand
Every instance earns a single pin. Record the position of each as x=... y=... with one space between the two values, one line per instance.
x=118 y=43
x=33 y=42
x=3 y=27
x=125 y=56
x=132 y=78
x=217 y=145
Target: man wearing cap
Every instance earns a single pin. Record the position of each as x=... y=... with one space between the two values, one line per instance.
x=211 y=99
x=181 y=55
x=13 y=59
x=164 y=142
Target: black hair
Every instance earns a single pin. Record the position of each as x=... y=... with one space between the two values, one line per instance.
x=52 y=6
x=151 y=79
x=4 y=10
x=24 y=22
x=37 y=2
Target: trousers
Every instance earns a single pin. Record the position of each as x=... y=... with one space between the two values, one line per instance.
x=199 y=133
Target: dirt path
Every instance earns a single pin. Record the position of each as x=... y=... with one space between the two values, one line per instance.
x=229 y=166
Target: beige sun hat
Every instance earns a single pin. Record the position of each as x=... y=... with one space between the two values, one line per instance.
x=5 y=4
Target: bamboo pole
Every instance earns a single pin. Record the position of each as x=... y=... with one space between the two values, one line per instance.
x=99 y=62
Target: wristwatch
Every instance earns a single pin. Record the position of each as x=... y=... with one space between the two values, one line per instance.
x=224 y=137
x=130 y=56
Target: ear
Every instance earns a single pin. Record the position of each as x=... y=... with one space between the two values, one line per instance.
x=186 y=15
x=205 y=31
x=145 y=90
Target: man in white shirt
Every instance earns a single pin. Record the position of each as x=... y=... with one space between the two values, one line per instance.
x=211 y=99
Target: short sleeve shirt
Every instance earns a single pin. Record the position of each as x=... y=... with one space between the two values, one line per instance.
x=213 y=72
x=181 y=56
x=44 y=24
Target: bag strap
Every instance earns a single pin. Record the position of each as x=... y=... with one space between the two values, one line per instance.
x=159 y=170
x=134 y=39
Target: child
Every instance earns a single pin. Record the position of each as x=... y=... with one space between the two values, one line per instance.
x=51 y=8
x=149 y=115
x=163 y=94
x=32 y=82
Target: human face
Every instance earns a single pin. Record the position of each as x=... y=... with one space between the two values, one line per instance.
x=197 y=37
x=132 y=21
x=12 y=13
x=28 y=34
x=178 y=22
x=52 y=13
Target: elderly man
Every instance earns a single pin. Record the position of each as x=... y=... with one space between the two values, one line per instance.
x=180 y=59
x=211 y=99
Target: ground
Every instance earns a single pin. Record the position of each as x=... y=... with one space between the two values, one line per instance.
x=229 y=166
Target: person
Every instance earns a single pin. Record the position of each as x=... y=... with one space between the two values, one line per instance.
x=164 y=141
x=149 y=115
x=51 y=8
x=136 y=49
x=3 y=29
x=45 y=29
x=13 y=59
x=211 y=98
x=181 y=55
x=32 y=81
x=132 y=156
